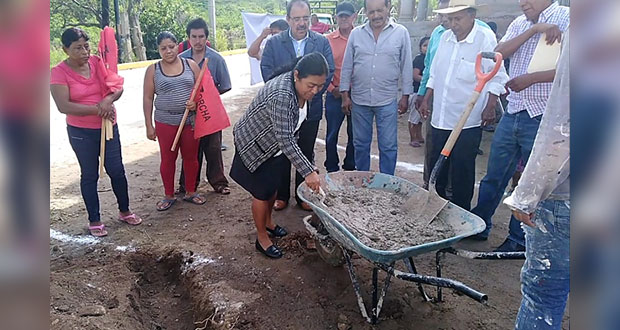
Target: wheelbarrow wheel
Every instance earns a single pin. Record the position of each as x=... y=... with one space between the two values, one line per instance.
x=327 y=248
x=329 y=251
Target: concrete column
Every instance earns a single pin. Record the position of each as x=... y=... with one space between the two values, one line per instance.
x=407 y=9
x=212 y=23
x=422 y=10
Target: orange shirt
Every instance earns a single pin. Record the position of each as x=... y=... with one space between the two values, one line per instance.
x=339 y=44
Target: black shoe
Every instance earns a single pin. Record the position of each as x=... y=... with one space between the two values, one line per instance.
x=510 y=246
x=277 y=231
x=478 y=237
x=272 y=251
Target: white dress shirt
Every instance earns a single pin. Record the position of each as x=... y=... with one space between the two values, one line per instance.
x=303 y=114
x=453 y=77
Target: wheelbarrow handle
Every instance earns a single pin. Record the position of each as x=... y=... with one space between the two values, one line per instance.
x=483 y=78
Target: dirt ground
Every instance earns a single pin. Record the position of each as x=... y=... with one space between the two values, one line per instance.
x=195 y=267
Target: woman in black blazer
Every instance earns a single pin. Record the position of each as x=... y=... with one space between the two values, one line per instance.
x=265 y=137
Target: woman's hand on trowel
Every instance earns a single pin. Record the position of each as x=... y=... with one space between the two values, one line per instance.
x=313 y=181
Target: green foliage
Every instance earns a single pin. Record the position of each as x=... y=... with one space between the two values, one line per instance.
x=57 y=54
x=229 y=34
x=157 y=16
x=432 y=4
x=167 y=15
x=221 y=41
x=173 y=15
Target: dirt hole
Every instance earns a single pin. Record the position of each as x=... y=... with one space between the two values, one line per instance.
x=169 y=294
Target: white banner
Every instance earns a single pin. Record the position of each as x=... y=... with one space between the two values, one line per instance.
x=253 y=25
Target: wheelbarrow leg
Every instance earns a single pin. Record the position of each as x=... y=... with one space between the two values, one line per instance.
x=377 y=302
x=356 y=286
x=375 y=298
x=411 y=266
x=438 y=257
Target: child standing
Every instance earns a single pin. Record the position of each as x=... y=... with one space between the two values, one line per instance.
x=415 y=121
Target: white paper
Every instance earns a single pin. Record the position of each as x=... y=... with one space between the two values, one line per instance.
x=545 y=56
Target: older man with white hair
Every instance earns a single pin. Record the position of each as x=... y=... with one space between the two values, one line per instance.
x=451 y=84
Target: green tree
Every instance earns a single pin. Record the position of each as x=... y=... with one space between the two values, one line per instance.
x=167 y=15
x=156 y=16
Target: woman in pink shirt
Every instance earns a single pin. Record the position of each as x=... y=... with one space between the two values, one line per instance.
x=78 y=90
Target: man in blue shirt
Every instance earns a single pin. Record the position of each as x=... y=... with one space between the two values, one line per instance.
x=281 y=50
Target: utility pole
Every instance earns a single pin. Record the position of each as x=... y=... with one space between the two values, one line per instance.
x=118 y=36
x=211 y=9
x=105 y=13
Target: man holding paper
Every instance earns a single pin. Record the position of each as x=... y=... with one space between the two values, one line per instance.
x=529 y=91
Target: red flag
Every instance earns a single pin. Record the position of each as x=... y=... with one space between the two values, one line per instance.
x=108 y=51
x=211 y=116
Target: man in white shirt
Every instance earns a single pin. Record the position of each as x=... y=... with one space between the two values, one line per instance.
x=452 y=82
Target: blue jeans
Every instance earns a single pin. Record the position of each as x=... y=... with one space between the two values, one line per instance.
x=513 y=140
x=387 y=120
x=335 y=117
x=85 y=144
x=545 y=276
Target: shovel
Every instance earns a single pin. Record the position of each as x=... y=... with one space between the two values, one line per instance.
x=429 y=204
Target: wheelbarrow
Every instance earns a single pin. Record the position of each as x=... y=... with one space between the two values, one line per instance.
x=336 y=244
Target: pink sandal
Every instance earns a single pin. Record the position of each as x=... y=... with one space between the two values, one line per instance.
x=98 y=231
x=131 y=219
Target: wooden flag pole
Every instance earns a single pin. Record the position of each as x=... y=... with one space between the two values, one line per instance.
x=192 y=96
x=102 y=147
x=109 y=130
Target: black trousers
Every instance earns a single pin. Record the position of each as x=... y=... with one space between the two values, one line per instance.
x=211 y=150
x=307 y=136
x=461 y=165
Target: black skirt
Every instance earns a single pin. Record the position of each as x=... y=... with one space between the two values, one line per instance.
x=264 y=182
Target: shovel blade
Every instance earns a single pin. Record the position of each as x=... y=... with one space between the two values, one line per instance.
x=426 y=205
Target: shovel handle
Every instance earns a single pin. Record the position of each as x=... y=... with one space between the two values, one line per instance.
x=483 y=78
x=191 y=97
x=435 y=172
x=102 y=147
x=454 y=135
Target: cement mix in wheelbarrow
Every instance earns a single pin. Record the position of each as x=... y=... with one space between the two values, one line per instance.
x=377 y=218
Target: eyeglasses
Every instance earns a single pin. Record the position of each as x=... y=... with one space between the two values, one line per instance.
x=301 y=18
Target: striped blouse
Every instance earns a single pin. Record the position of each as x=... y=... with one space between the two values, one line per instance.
x=172 y=94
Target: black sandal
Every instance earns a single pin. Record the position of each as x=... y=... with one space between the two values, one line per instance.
x=271 y=252
x=195 y=199
x=165 y=204
x=277 y=231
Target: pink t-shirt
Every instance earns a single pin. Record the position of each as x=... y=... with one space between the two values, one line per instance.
x=82 y=90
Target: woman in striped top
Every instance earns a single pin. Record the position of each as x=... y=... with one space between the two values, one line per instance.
x=172 y=80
